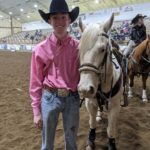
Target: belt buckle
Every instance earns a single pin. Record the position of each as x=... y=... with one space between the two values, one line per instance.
x=62 y=92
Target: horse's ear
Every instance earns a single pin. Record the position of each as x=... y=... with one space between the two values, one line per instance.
x=81 y=25
x=108 y=23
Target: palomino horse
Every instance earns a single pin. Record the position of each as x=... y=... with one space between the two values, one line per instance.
x=100 y=74
x=139 y=63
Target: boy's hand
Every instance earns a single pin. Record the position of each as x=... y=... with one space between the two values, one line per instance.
x=38 y=121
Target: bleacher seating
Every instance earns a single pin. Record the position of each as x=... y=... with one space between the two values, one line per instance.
x=26 y=37
x=30 y=37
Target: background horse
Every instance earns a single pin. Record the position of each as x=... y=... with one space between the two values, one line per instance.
x=100 y=78
x=139 y=63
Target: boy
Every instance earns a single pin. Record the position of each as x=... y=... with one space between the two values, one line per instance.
x=55 y=76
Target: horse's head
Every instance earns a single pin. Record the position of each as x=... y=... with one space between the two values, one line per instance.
x=93 y=49
x=148 y=47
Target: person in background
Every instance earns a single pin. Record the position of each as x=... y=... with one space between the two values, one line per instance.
x=54 y=78
x=138 y=34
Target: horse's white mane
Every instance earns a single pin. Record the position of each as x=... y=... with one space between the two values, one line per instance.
x=89 y=37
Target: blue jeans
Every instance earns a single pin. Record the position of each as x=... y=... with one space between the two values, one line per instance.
x=51 y=106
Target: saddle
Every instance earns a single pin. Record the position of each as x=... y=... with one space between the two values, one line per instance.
x=118 y=56
x=123 y=62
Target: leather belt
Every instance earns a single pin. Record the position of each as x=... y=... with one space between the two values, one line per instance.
x=60 y=92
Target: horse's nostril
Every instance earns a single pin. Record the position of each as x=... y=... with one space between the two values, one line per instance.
x=91 y=89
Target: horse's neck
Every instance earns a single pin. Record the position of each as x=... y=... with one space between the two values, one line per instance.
x=107 y=75
x=112 y=74
x=139 y=51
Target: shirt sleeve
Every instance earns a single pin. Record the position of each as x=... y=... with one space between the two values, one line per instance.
x=143 y=34
x=36 y=82
x=134 y=35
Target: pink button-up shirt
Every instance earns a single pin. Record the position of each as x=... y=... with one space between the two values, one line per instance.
x=54 y=63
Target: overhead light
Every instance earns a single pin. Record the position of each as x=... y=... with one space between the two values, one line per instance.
x=18 y=18
x=75 y=1
x=96 y=1
x=28 y=16
x=1 y=16
x=72 y=6
x=35 y=5
x=10 y=13
x=21 y=9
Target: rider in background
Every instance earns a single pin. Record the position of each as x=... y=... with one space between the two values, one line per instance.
x=138 y=34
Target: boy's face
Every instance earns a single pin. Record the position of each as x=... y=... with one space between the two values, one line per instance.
x=60 y=22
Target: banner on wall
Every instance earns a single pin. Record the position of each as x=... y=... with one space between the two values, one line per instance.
x=36 y=25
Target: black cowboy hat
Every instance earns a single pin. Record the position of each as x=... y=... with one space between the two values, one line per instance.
x=136 y=18
x=60 y=6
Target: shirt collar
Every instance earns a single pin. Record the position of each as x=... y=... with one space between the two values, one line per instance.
x=59 y=42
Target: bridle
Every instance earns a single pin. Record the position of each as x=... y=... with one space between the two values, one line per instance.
x=102 y=98
x=90 y=66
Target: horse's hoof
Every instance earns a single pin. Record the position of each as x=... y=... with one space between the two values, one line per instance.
x=90 y=145
x=145 y=100
x=88 y=148
x=111 y=144
x=130 y=95
x=123 y=104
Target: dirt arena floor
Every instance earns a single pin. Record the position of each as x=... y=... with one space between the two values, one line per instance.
x=17 y=131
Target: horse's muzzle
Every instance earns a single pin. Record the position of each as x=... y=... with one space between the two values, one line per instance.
x=86 y=92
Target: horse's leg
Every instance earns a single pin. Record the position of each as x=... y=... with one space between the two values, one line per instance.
x=144 y=95
x=99 y=116
x=131 y=83
x=114 y=109
x=91 y=106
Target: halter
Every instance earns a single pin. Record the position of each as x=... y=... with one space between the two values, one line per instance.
x=91 y=67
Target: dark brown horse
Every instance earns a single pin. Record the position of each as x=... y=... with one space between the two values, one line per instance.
x=139 y=63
